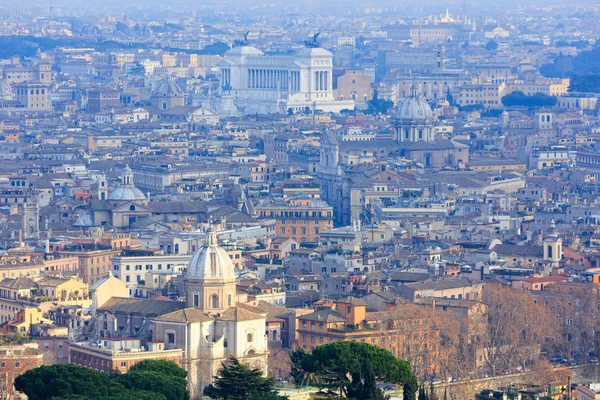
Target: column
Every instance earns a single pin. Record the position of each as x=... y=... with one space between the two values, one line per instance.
x=326 y=80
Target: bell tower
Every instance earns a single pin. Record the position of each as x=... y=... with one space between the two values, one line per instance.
x=102 y=188
x=31 y=220
x=552 y=243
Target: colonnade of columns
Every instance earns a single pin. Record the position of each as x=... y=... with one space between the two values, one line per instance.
x=226 y=76
x=261 y=78
x=322 y=80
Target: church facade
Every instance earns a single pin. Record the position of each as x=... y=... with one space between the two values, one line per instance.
x=215 y=324
x=413 y=140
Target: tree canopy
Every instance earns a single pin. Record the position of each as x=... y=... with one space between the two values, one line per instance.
x=563 y=66
x=349 y=368
x=73 y=382
x=521 y=99
x=491 y=45
x=236 y=381
x=585 y=83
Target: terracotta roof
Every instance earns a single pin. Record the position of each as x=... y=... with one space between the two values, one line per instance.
x=186 y=315
x=542 y=279
x=324 y=315
x=242 y=312
x=18 y=283
x=141 y=306
x=273 y=312
x=515 y=250
x=352 y=300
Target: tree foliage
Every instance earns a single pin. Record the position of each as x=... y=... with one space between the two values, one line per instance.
x=172 y=387
x=344 y=368
x=491 y=45
x=74 y=382
x=161 y=366
x=410 y=389
x=521 y=99
x=236 y=381
x=563 y=66
x=585 y=83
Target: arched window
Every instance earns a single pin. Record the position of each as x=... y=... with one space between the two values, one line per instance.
x=214 y=301
x=132 y=208
x=550 y=251
x=274 y=335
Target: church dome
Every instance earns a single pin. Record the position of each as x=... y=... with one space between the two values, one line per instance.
x=127 y=191
x=211 y=262
x=127 y=194
x=168 y=88
x=414 y=107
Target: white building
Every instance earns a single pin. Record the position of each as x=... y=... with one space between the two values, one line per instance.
x=216 y=323
x=262 y=83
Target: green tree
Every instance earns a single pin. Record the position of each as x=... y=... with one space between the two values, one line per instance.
x=410 y=389
x=236 y=381
x=369 y=389
x=518 y=98
x=149 y=380
x=172 y=387
x=422 y=394
x=162 y=366
x=491 y=45
x=47 y=382
x=340 y=365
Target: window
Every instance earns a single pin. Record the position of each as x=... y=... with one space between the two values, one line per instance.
x=215 y=301
x=196 y=300
x=17 y=364
x=170 y=338
x=123 y=363
x=229 y=298
x=249 y=338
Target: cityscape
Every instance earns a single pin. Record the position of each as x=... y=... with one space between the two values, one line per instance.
x=300 y=200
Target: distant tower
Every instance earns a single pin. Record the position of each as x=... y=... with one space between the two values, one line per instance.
x=31 y=220
x=553 y=247
x=543 y=120
x=330 y=174
x=505 y=119
x=102 y=188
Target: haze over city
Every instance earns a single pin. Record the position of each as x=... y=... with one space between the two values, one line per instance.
x=299 y=200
